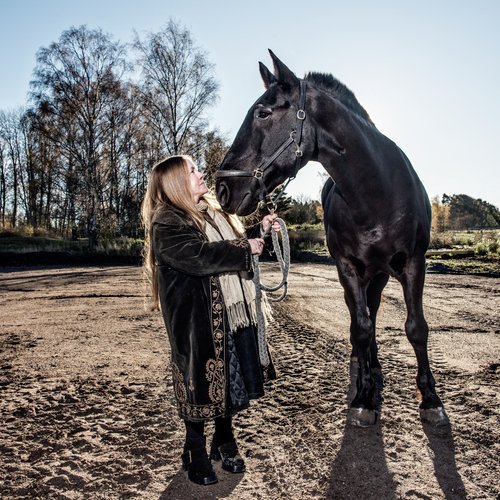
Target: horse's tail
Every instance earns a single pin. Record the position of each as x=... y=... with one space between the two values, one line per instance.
x=329 y=185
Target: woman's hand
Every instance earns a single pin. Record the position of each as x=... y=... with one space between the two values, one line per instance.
x=268 y=222
x=256 y=245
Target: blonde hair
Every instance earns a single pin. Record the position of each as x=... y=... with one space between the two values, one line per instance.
x=168 y=185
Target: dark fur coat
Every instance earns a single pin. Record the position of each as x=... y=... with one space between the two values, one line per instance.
x=193 y=310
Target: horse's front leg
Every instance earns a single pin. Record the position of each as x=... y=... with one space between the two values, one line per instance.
x=417 y=331
x=362 y=411
x=373 y=298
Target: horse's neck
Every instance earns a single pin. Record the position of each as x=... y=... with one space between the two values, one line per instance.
x=345 y=148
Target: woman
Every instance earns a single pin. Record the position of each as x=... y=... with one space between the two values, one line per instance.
x=199 y=264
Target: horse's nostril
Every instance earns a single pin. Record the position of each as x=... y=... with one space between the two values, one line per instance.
x=223 y=193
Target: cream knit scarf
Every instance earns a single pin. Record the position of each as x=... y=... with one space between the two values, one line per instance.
x=238 y=293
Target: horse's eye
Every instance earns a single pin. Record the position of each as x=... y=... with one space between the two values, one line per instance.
x=262 y=114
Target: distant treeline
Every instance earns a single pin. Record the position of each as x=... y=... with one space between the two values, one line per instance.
x=460 y=211
x=456 y=212
x=74 y=161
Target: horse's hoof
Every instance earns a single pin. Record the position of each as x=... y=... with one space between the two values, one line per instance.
x=434 y=416
x=361 y=417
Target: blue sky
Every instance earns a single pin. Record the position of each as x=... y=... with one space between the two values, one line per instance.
x=427 y=72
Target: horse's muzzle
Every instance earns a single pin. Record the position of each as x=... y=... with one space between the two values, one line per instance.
x=222 y=192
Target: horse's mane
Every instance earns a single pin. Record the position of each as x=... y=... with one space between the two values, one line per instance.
x=333 y=86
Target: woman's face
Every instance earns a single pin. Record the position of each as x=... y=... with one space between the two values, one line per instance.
x=197 y=185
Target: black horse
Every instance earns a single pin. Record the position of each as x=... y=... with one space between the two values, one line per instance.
x=377 y=213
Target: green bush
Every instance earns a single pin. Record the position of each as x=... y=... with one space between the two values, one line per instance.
x=480 y=241
x=488 y=243
x=41 y=231
x=24 y=230
x=481 y=248
x=310 y=237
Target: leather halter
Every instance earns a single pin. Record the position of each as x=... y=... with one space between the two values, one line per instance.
x=294 y=137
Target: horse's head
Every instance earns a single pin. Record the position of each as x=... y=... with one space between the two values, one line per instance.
x=272 y=144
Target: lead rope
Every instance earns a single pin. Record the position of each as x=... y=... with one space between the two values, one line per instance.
x=284 y=262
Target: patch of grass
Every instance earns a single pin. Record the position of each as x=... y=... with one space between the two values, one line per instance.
x=490 y=267
x=121 y=246
x=29 y=244
x=26 y=244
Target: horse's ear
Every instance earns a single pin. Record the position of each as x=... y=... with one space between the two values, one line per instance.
x=282 y=73
x=267 y=77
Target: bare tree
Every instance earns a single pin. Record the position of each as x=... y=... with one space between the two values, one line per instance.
x=75 y=82
x=60 y=182
x=120 y=162
x=3 y=183
x=10 y=133
x=178 y=86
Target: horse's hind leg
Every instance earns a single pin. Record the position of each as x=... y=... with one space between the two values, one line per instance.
x=417 y=331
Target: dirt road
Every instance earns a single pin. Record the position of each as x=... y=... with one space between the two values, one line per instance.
x=87 y=411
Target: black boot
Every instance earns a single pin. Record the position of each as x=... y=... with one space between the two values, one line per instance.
x=196 y=462
x=228 y=453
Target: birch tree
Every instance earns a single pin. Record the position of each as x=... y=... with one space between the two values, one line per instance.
x=178 y=87
x=75 y=82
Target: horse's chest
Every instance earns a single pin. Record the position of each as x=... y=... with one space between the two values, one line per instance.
x=372 y=236
x=367 y=245
x=358 y=239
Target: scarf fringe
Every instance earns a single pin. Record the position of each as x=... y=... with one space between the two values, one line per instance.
x=238 y=317
x=239 y=294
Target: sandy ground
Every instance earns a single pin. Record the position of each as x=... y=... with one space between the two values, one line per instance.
x=87 y=411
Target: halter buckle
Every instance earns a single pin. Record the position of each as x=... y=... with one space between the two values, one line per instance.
x=258 y=173
x=301 y=114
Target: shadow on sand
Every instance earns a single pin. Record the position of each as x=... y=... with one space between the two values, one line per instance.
x=181 y=487
x=445 y=466
x=360 y=469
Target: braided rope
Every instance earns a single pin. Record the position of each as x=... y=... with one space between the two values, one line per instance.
x=284 y=262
